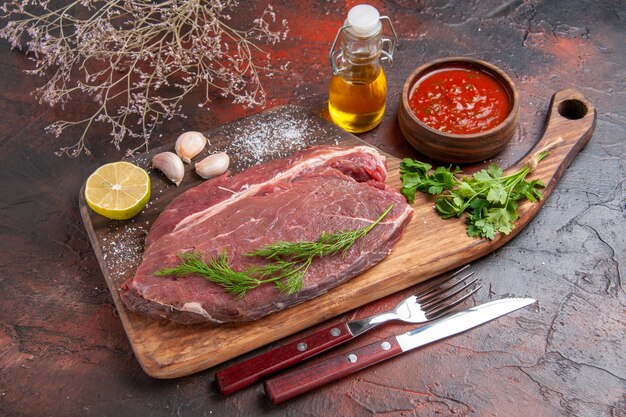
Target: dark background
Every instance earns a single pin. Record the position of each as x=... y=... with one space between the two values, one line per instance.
x=62 y=347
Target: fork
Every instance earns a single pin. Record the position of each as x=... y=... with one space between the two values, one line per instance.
x=430 y=303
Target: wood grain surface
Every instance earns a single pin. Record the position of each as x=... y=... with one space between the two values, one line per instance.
x=428 y=247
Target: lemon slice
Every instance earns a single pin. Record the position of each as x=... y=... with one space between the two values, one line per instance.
x=119 y=190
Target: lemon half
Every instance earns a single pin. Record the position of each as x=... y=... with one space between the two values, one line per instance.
x=119 y=190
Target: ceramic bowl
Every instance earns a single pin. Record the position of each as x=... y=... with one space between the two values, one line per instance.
x=457 y=148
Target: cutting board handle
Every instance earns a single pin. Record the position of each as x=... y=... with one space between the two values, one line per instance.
x=570 y=122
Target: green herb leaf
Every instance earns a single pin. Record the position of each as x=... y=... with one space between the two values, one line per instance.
x=501 y=219
x=465 y=189
x=415 y=177
x=495 y=171
x=482 y=176
x=411 y=165
x=409 y=194
x=497 y=194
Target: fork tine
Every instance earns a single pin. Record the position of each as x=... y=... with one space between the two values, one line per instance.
x=442 y=295
x=438 y=281
x=435 y=292
x=438 y=312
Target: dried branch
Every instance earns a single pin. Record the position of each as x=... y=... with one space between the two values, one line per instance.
x=139 y=59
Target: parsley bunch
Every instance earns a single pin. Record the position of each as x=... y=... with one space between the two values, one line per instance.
x=489 y=198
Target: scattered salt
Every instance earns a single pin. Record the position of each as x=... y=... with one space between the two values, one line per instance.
x=269 y=136
x=124 y=250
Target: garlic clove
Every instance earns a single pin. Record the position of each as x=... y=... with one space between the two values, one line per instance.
x=213 y=165
x=169 y=164
x=190 y=144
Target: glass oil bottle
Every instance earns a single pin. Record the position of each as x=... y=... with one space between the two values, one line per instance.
x=358 y=87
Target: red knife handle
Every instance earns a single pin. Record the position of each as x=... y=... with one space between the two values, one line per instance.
x=292 y=384
x=254 y=369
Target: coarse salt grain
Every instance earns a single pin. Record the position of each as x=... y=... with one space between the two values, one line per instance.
x=124 y=250
x=271 y=136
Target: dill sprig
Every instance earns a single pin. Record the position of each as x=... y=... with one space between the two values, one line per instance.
x=216 y=270
x=327 y=244
x=288 y=262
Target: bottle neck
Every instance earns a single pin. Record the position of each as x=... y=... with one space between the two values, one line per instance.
x=361 y=50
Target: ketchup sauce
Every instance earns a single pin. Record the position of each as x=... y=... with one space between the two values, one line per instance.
x=459 y=101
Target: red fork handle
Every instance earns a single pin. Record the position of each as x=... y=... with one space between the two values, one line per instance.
x=254 y=369
x=305 y=379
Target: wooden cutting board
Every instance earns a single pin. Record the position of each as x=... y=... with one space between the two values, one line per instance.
x=429 y=246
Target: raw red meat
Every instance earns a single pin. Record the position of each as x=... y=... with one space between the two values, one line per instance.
x=326 y=188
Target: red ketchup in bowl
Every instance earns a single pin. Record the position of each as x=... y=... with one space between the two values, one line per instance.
x=459 y=101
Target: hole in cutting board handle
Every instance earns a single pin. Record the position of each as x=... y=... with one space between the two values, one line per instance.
x=572 y=109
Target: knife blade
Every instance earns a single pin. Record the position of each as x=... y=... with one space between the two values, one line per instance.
x=307 y=378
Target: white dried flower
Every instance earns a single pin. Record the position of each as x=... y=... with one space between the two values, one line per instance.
x=107 y=51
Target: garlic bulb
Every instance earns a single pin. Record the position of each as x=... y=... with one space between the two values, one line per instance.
x=213 y=165
x=190 y=144
x=170 y=164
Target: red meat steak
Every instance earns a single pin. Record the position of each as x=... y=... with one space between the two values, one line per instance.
x=320 y=189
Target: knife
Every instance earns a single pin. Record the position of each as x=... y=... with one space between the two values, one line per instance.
x=292 y=384
x=259 y=367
